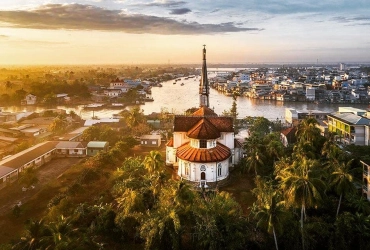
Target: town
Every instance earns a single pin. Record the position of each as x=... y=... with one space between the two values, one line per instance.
x=54 y=157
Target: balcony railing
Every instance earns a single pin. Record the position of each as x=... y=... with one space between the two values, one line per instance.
x=366 y=173
x=364 y=187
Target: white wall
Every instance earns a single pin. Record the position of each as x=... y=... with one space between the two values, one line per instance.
x=211 y=171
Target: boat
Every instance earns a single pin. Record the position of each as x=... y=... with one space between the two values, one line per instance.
x=148 y=99
x=94 y=106
x=174 y=82
x=182 y=84
x=117 y=106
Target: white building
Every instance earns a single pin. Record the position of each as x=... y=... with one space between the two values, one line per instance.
x=29 y=100
x=310 y=94
x=203 y=147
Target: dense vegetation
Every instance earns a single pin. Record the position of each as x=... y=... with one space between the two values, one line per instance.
x=45 y=82
x=306 y=197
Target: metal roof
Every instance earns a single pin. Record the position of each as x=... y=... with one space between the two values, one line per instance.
x=97 y=144
x=351 y=118
x=70 y=144
x=5 y=171
x=28 y=155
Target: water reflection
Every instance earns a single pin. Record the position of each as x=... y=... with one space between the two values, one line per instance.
x=177 y=98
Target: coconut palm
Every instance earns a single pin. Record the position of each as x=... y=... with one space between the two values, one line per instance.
x=133 y=117
x=153 y=162
x=158 y=180
x=307 y=130
x=302 y=185
x=270 y=215
x=274 y=147
x=61 y=233
x=254 y=161
x=342 y=181
x=161 y=229
x=35 y=236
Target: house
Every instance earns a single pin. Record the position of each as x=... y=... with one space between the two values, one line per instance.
x=294 y=116
x=29 y=100
x=92 y=122
x=288 y=136
x=71 y=149
x=95 y=147
x=203 y=147
x=112 y=92
x=150 y=140
x=35 y=156
x=75 y=135
x=62 y=98
x=349 y=127
x=366 y=180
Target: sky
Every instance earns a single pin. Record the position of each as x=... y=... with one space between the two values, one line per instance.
x=174 y=31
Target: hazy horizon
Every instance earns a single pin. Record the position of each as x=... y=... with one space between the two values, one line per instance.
x=99 y=32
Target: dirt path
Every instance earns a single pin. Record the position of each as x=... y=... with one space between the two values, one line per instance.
x=13 y=194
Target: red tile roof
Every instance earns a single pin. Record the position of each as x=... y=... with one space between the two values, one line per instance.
x=289 y=131
x=203 y=130
x=237 y=144
x=204 y=111
x=170 y=143
x=188 y=153
x=185 y=123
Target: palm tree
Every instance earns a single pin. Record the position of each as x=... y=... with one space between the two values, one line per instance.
x=307 y=130
x=134 y=117
x=35 y=236
x=271 y=214
x=61 y=233
x=153 y=162
x=274 y=147
x=360 y=203
x=255 y=161
x=158 y=180
x=342 y=181
x=302 y=185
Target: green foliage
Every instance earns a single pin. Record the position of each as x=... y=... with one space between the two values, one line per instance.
x=101 y=133
x=21 y=146
x=258 y=125
x=28 y=177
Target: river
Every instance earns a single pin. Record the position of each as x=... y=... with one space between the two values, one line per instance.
x=176 y=98
x=179 y=98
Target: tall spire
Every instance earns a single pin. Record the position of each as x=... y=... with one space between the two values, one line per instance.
x=203 y=86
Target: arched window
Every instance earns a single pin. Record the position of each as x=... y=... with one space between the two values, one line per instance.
x=219 y=169
x=203 y=175
x=187 y=168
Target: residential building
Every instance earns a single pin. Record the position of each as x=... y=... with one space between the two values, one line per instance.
x=350 y=128
x=150 y=140
x=294 y=116
x=95 y=147
x=29 y=100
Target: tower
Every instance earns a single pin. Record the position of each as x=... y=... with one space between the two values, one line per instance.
x=203 y=85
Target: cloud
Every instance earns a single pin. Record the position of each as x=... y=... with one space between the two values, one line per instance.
x=87 y=17
x=215 y=10
x=358 y=20
x=167 y=4
x=20 y=41
x=181 y=11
